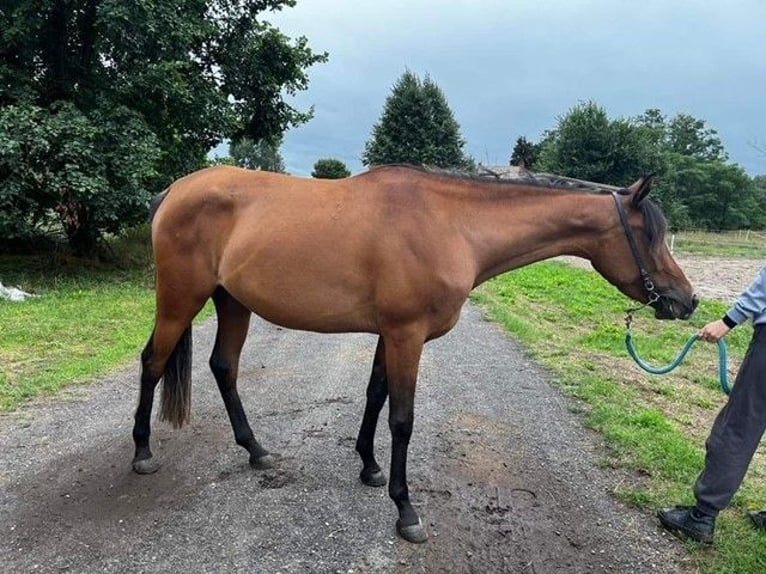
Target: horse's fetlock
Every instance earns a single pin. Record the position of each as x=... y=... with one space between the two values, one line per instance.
x=363 y=445
x=398 y=493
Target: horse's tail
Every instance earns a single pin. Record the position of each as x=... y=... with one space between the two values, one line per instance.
x=156 y=201
x=176 y=383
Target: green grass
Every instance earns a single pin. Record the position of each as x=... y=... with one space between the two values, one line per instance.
x=82 y=324
x=572 y=321
x=748 y=244
x=87 y=320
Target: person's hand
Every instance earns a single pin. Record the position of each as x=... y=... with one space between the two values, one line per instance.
x=714 y=331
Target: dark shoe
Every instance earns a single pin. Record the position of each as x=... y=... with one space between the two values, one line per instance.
x=688 y=522
x=758 y=518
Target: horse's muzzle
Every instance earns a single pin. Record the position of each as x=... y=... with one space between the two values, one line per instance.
x=670 y=306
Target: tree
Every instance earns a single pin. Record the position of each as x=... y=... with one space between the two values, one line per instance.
x=263 y=155
x=588 y=145
x=86 y=172
x=683 y=134
x=330 y=169
x=714 y=195
x=696 y=187
x=103 y=103
x=417 y=127
x=759 y=181
x=688 y=135
x=525 y=153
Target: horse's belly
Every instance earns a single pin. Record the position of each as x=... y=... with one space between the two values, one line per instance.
x=306 y=301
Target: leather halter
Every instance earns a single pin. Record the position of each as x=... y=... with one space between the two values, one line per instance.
x=651 y=290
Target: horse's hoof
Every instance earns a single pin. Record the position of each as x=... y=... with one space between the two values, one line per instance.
x=145 y=466
x=263 y=462
x=376 y=478
x=412 y=533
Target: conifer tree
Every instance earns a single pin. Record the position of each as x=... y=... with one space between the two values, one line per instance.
x=417 y=127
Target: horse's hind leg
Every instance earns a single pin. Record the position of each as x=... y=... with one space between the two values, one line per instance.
x=143 y=463
x=167 y=355
x=377 y=391
x=170 y=342
x=233 y=322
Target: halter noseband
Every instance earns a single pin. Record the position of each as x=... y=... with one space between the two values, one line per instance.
x=651 y=290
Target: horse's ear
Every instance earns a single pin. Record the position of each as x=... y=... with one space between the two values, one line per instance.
x=640 y=189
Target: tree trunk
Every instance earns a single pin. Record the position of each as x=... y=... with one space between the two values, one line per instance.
x=82 y=237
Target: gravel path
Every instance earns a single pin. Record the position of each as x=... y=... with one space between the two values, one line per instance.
x=504 y=475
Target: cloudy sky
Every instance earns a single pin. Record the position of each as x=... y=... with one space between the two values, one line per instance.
x=512 y=67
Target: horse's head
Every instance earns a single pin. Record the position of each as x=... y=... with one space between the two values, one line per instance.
x=635 y=258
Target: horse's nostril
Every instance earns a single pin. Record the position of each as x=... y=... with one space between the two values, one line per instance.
x=695 y=301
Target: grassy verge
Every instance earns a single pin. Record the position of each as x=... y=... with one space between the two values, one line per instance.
x=572 y=322
x=86 y=321
x=748 y=244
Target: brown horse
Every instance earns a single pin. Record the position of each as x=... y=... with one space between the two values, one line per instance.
x=394 y=251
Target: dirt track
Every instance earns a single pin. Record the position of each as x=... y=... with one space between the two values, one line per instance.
x=717 y=278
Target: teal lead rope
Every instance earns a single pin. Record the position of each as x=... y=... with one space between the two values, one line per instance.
x=722 y=360
x=722 y=355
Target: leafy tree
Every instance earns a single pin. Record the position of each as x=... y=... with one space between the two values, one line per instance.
x=417 y=127
x=87 y=172
x=264 y=154
x=525 y=153
x=683 y=134
x=696 y=186
x=759 y=181
x=716 y=196
x=330 y=169
x=104 y=102
x=688 y=135
x=588 y=145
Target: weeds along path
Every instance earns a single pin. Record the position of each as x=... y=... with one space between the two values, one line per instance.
x=504 y=475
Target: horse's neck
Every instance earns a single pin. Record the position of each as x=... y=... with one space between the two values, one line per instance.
x=530 y=225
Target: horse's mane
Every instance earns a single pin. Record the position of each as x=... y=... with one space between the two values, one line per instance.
x=655 y=222
x=526 y=178
x=656 y=226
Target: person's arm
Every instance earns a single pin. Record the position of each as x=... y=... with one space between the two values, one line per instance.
x=750 y=304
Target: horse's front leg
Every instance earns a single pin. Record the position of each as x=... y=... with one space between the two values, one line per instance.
x=402 y=359
x=377 y=392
